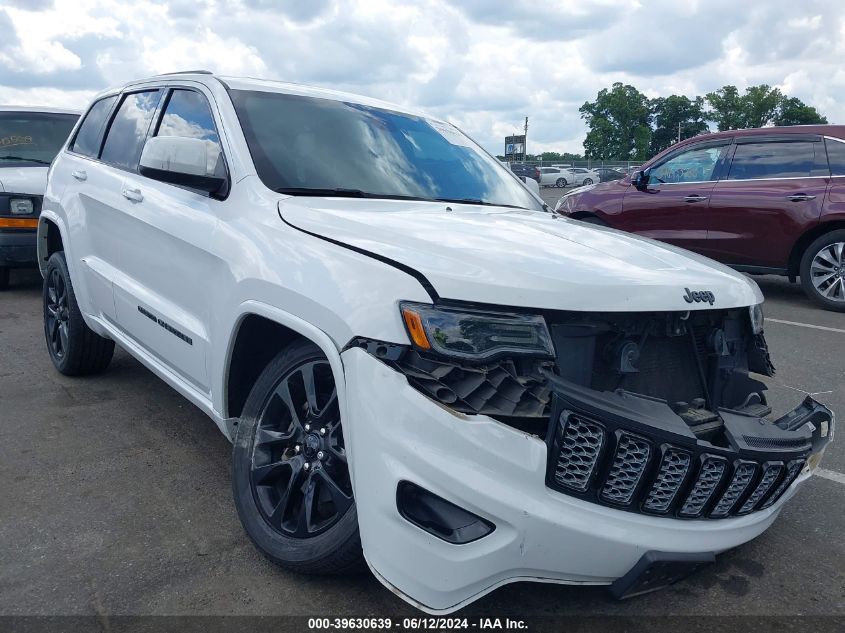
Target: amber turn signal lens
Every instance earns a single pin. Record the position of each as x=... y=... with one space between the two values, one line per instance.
x=415 y=328
x=18 y=223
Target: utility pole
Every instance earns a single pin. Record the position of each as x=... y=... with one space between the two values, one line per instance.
x=679 y=131
x=525 y=146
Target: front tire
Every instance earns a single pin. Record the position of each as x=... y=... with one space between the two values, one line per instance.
x=823 y=271
x=75 y=349
x=290 y=476
x=560 y=183
x=588 y=181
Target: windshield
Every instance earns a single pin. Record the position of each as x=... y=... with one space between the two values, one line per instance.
x=33 y=137
x=311 y=146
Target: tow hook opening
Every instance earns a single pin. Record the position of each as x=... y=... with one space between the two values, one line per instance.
x=439 y=517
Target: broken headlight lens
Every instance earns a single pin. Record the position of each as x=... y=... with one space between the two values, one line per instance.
x=755 y=313
x=475 y=335
x=21 y=206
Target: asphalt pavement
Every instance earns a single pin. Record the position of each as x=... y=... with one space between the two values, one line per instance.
x=115 y=500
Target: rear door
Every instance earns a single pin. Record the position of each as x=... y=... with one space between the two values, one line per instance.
x=772 y=192
x=673 y=204
x=81 y=189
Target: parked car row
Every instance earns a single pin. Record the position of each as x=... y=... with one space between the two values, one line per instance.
x=419 y=366
x=765 y=201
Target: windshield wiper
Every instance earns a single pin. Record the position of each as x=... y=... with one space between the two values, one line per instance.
x=21 y=158
x=341 y=193
x=477 y=201
x=358 y=193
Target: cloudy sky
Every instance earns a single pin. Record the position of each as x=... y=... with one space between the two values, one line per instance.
x=482 y=64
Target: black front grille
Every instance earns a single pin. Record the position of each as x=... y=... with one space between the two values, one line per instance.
x=709 y=477
x=673 y=470
x=629 y=464
x=636 y=473
x=581 y=446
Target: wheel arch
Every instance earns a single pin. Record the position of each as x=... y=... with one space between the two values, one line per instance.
x=580 y=215
x=260 y=332
x=51 y=239
x=807 y=238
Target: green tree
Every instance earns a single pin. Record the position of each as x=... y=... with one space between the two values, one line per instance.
x=793 y=111
x=551 y=157
x=726 y=108
x=619 y=124
x=760 y=105
x=670 y=114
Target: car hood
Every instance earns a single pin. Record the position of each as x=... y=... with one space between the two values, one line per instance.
x=29 y=180
x=514 y=257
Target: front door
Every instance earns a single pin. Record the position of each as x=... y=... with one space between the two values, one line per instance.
x=774 y=189
x=672 y=204
x=160 y=235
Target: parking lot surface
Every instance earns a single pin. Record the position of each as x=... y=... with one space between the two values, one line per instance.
x=116 y=500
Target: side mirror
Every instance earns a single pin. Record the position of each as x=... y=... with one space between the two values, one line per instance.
x=639 y=179
x=179 y=160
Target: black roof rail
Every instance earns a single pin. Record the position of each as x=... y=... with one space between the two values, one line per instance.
x=188 y=72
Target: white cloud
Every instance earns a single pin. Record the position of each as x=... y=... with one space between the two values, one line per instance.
x=482 y=65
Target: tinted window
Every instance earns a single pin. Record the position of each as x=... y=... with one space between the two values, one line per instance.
x=774 y=160
x=87 y=141
x=305 y=143
x=188 y=114
x=836 y=157
x=32 y=137
x=128 y=130
x=697 y=164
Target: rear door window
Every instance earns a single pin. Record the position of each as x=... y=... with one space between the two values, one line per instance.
x=754 y=161
x=87 y=141
x=836 y=156
x=128 y=130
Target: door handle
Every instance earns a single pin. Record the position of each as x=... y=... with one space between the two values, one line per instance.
x=800 y=197
x=134 y=195
x=695 y=198
x=79 y=174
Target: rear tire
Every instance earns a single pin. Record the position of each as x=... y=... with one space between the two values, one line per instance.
x=75 y=349
x=823 y=271
x=4 y=278
x=300 y=518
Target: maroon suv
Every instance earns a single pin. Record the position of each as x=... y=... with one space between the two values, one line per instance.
x=768 y=200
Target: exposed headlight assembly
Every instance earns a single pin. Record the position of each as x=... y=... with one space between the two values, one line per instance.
x=475 y=335
x=755 y=313
x=21 y=206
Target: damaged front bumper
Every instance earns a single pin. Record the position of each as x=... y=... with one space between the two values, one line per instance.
x=577 y=529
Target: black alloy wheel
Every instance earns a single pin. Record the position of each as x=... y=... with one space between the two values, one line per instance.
x=290 y=470
x=299 y=474
x=56 y=314
x=75 y=349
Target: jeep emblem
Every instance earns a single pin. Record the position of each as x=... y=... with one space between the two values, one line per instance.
x=698 y=296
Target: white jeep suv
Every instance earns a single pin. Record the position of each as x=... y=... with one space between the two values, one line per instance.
x=418 y=366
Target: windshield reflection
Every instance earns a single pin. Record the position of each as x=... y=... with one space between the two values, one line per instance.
x=301 y=144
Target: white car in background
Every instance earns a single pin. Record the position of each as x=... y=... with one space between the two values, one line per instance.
x=554 y=177
x=578 y=176
x=418 y=366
